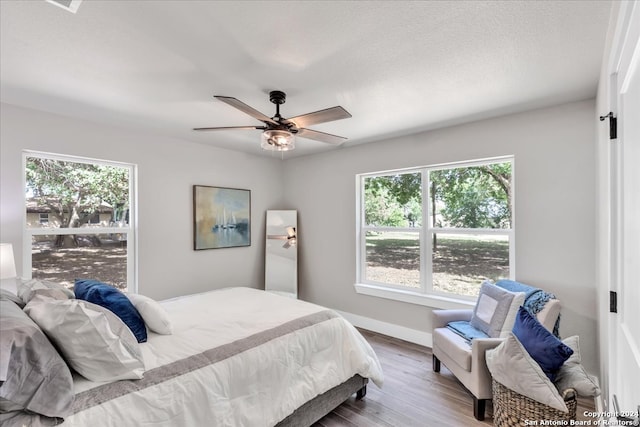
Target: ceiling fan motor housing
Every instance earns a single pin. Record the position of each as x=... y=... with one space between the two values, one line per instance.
x=277 y=97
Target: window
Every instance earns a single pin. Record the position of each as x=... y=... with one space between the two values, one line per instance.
x=94 y=218
x=391 y=232
x=437 y=230
x=86 y=232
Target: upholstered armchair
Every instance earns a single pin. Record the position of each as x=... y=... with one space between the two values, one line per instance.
x=467 y=362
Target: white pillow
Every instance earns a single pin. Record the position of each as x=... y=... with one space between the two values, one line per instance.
x=513 y=367
x=153 y=314
x=93 y=340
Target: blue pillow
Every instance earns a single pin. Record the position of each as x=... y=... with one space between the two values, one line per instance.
x=112 y=299
x=542 y=345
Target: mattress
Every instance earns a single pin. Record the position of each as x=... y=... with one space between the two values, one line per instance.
x=237 y=357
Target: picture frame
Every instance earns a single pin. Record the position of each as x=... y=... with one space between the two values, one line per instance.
x=221 y=217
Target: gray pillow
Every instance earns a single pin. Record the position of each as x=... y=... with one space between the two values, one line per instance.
x=492 y=309
x=27 y=289
x=511 y=365
x=33 y=376
x=8 y=295
x=572 y=374
x=93 y=340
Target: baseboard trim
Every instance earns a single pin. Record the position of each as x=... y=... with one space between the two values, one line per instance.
x=390 y=329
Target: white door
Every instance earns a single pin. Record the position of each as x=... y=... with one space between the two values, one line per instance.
x=625 y=351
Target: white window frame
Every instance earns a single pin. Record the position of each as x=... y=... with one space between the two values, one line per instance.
x=129 y=230
x=425 y=294
x=364 y=228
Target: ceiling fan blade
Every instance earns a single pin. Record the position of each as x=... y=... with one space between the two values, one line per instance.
x=245 y=109
x=231 y=127
x=322 y=116
x=287 y=245
x=321 y=136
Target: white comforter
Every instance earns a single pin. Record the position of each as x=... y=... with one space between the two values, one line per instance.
x=259 y=386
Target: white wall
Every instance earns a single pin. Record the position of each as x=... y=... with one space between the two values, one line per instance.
x=554 y=212
x=555 y=199
x=167 y=170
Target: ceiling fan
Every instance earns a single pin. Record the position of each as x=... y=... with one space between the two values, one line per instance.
x=279 y=133
x=291 y=237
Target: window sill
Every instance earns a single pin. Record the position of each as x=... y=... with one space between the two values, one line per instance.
x=434 y=301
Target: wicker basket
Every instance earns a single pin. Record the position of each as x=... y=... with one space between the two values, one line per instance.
x=511 y=409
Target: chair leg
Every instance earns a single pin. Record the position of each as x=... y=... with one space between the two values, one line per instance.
x=436 y=363
x=479 y=406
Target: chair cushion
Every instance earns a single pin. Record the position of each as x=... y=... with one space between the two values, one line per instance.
x=454 y=346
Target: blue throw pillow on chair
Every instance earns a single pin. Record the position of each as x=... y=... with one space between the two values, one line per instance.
x=542 y=345
x=112 y=299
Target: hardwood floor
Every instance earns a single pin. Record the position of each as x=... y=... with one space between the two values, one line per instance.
x=412 y=394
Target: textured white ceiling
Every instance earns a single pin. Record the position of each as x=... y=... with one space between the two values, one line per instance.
x=397 y=67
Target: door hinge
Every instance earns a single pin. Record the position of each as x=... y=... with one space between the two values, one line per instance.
x=613 y=125
x=613 y=302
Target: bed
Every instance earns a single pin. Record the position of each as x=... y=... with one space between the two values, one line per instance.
x=235 y=357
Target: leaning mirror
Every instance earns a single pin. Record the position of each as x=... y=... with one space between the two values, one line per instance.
x=281 y=253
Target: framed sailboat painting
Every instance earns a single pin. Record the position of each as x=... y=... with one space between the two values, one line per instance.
x=221 y=217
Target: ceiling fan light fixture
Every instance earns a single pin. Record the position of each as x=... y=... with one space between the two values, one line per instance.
x=278 y=140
